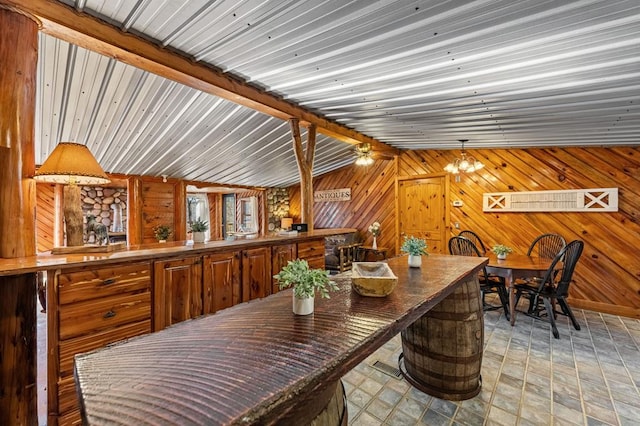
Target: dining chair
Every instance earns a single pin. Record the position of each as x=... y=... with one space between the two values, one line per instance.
x=547 y=246
x=462 y=246
x=475 y=239
x=553 y=287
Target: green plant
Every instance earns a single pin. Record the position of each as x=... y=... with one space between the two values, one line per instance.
x=414 y=246
x=501 y=249
x=162 y=232
x=305 y=281
x=199 y=226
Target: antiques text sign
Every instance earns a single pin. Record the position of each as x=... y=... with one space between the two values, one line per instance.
x=342 y=194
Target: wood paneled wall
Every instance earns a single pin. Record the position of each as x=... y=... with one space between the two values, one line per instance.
x=45 y=216
x=372 y=199
x=607 y=277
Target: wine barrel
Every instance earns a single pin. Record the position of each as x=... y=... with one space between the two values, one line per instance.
x=442 y=350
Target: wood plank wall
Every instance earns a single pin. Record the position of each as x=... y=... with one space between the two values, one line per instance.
x=607 y=277
x=45 y=216
x=158 y=208
x=372 y=199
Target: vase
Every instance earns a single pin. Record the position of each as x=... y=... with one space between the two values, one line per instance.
x=415 y=260
x=502 y=256
x=198 y=237
x=162 y=241
x=302 y=306
x=375 y=243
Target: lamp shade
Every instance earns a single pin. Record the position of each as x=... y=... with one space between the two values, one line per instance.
x=286 y=222
x=71 y=163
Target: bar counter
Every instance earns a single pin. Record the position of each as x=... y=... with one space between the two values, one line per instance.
x=256 y=362
x=43 y=262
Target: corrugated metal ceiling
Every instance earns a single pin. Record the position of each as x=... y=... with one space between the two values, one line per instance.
x=412 y=74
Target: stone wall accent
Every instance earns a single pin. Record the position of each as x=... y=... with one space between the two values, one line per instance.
x=277 y=206
x=104 y=204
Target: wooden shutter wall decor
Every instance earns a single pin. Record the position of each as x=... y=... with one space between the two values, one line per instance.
x=572 y=200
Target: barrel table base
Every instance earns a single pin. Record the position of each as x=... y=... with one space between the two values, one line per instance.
x=442 y=350
x=335 y=412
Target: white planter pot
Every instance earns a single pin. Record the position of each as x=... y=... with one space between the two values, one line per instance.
x=502 y=256
x=415 y=261
x=198 y=237
x=162 y=241
x=302 y=306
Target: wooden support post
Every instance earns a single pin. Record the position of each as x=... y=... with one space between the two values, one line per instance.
x=134 y=211
x=19 y=53
x=305 y=167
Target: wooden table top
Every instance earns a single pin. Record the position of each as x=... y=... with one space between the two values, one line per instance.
x=519 y=262
x=256 y=363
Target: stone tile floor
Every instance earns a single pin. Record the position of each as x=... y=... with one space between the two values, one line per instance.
x=587 y=377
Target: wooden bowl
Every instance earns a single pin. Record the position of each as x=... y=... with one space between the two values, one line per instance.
x=374 y=279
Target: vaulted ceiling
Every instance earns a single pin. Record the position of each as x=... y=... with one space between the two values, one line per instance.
x=410 y=74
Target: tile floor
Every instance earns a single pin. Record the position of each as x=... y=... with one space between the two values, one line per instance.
x=587 y=377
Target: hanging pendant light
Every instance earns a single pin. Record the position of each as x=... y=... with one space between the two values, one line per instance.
x=464 y=164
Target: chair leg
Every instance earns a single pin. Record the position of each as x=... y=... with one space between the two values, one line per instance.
x=504 y=299
x=552 y=320
x=568 y=312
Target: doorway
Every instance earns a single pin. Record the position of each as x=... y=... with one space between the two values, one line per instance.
x=423 y=210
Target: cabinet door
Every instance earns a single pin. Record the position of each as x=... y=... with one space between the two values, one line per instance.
x=280 y=255
x=221 y=281
x=256 y=273
x=177 y=286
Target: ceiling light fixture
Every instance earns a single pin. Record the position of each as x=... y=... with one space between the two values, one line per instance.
x=364 y=154
x=464 y=164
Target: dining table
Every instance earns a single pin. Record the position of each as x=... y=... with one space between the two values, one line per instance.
x=516 y=266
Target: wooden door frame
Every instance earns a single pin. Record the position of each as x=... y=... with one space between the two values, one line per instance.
x=447 y=201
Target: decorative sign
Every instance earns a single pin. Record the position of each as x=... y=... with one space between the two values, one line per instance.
x=342 y=194
x=571 y=200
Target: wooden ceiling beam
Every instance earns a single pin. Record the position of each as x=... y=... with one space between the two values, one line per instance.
x=81 y=29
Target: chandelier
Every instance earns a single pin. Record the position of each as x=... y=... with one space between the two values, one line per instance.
x=464 y=164
x=364 y=155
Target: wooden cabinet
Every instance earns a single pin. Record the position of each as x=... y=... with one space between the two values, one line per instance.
x=256 y=273
x=88 y=309
x=177 y=291
x=280 y=255
x=221 y=280
x=313 y=252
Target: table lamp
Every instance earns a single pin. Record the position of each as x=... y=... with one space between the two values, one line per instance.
x=286 y=222
x=72 y=164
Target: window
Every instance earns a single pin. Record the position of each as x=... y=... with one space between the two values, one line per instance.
x=198 y=209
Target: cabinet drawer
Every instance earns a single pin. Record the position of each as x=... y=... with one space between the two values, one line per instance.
x=311 y=249
x=101 y=314
x=98 y=283
x=68 y=348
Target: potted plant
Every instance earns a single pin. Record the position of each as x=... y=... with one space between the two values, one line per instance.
x=416 y=247
x=162 y=233
x=501 y=251
x=199 y=227
x=306 y=282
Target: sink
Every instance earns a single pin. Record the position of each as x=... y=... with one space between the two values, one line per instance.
x=373 y=279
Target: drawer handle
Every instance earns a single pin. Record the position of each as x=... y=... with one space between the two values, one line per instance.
x=109 y=281
x=109 y=314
